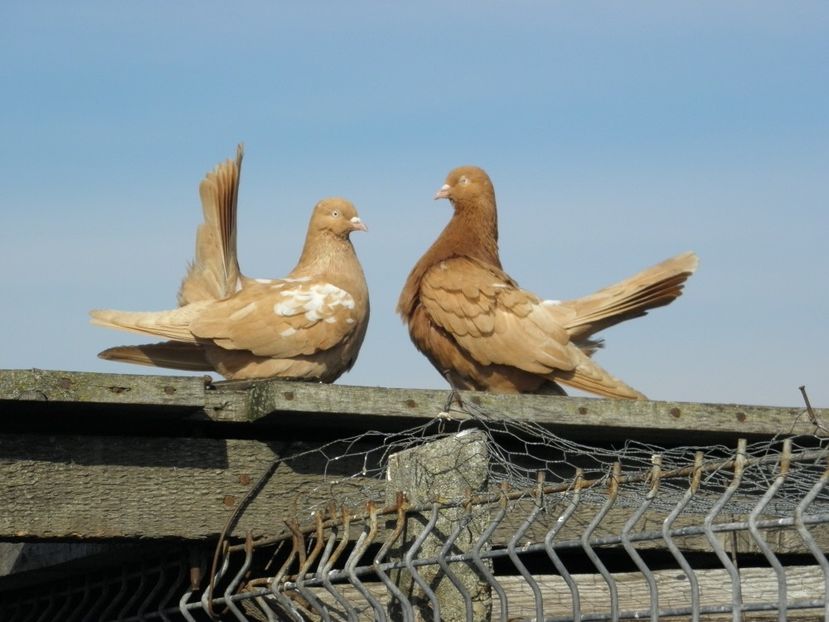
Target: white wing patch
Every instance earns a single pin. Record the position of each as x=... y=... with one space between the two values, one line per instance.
x=551 y=303
x=285 y=309
x=316 y=302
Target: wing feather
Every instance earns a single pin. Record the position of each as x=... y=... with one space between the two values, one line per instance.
x=280 y=319
x=493 y=319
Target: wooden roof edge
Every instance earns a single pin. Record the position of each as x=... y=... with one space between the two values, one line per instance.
x=272 y=402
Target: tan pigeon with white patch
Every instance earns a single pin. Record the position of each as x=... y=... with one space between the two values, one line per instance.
x=482 y=331
x=307 y=326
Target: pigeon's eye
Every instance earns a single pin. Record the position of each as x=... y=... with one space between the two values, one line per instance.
x=464 y=180
x=336 y=213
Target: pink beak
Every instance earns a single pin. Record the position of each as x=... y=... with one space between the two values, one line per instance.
x=443 y=193
x=358 y=225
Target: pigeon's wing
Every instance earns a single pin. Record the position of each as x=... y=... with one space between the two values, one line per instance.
x=281 y=318
x=492 y=318
x=214 y=273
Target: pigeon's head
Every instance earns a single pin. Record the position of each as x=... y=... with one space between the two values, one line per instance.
x=466 y=185
x=337 y=215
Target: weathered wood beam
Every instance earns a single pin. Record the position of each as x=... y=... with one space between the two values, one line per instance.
x=758 y=585
x=114 y=488
x=81 y=484
x=667 y=421
x=37 y=385
x=95 y=487
x=295 y=405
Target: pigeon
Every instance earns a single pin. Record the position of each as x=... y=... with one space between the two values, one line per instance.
x=484 y=332
x=306 y=326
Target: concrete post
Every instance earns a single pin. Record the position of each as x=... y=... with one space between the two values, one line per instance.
x=450 y=469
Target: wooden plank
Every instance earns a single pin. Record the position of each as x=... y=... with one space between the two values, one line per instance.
x=62 y=471
x=758 y=585
x=65 y=487
x=111 y=488
x=335 y=408
x=37 y=385
x=616 y=418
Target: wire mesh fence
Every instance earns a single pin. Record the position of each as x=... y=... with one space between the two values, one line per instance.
x=477 y=517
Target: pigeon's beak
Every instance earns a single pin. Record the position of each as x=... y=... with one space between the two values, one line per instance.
x=443 y=193
x=358 y=225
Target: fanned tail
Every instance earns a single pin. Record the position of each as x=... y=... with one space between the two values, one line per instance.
x=654 y=287
x=170 y=354
x=214 y=273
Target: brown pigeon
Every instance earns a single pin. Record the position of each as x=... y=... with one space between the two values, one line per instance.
x=306 y=326
x=482 y=331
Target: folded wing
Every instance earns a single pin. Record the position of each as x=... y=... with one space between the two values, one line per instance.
x=493 y=319
x=280 y=318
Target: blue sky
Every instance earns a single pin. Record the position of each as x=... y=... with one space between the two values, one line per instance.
x=617 y=134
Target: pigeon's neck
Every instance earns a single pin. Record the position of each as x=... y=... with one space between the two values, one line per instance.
x=332 y=256
x=472 y=232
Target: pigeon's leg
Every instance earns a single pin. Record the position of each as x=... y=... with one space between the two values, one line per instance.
x=454 y=393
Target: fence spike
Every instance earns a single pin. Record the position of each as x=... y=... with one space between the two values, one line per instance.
x=612 y=492
x=785 y=457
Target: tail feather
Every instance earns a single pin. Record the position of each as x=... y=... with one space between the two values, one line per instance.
x=589 y=376
x=214 y=273
x=170 y=354
x=654 y=287
x=174 y=324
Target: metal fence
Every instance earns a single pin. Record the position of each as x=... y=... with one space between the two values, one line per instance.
x=739 y=537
